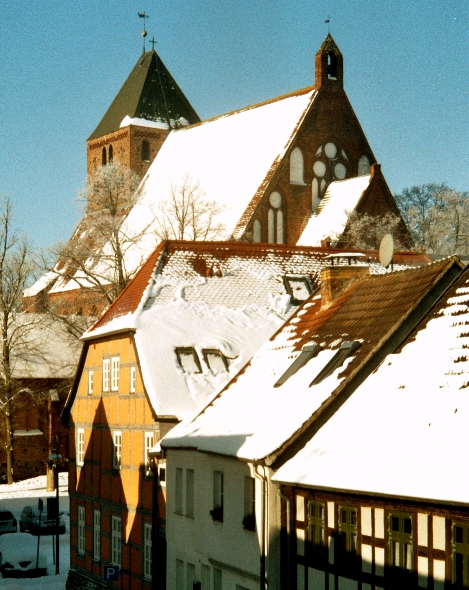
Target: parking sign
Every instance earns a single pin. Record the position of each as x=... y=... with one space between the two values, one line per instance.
x=111 y=573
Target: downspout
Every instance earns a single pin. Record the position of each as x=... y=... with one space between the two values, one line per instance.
x=262 y=479
x=288 y=541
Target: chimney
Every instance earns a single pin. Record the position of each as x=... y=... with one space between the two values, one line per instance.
x=337 y=278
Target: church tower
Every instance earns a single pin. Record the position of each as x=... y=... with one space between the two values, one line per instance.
x=329 y=65
x=146 y=108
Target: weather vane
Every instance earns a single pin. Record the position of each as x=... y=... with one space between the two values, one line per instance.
x=144 y=15
x=328 y=22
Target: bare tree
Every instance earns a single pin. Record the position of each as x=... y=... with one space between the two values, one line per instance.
x=16 y=266
x=187 y=214
x=364 y=231
x=94 y=259
x=437 y=217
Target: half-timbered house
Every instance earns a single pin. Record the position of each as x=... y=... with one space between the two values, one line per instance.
x=224 y=511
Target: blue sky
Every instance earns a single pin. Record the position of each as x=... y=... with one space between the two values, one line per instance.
x=406 y=74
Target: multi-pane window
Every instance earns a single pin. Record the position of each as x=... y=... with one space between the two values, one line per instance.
x=149 y=444
x=178 y=491
x=116 y=449
x=90 y=382
x=190 y=492
x=133 y=379
x=106 y=374
x=348 y=529
x=249 y=520
x=81 y=530
x=115 y=373
x=96 y=535
x=400 y=541
x=80 y=446
x=316 y=524
x=147 y=551
x=218 y=496
x=116 y=540
x=460 y=537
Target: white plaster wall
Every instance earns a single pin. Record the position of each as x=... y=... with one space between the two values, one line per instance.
x=202 y=541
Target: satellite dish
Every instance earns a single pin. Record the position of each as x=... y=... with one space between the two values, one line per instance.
x=386 y=250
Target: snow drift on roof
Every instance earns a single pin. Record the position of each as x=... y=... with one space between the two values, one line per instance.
x=404 y=431
x=340 y=198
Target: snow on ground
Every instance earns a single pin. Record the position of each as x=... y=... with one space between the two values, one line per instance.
x=24 y=493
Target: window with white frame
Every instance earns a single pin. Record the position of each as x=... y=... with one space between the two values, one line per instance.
x=147 y=551
x=133 y=379
x=96 y=535
x=81 y=530
x=106 y=374
x=218 y=496
x=249 y=519
x=116 y=540
x=115 y=373
x=178 y=491
x=162 y=472
x=149 y=444
x=80 y=446
x=90 y=382
x=189 y=493
x=116 y=449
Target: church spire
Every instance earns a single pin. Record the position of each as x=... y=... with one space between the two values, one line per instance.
x=329 y=65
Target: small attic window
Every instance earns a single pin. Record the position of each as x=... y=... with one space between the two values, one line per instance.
x=216 y=360
x=308 y=352
x=145 y=151
x=332 y=66
x=188 y=360
x=346 y=350
x=299 y=288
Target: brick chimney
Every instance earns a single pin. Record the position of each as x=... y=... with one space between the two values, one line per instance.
x=337 y=278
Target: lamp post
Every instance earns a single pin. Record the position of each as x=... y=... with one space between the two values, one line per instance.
x=54 y=459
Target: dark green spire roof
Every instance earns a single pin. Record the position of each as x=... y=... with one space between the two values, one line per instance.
x=150 y=92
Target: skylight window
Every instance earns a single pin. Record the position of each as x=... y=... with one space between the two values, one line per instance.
x=346 y=350
x=188 y=360
x=216 y=361
x=309 y=351
x=299 y=288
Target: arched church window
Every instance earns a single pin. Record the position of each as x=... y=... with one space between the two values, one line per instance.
x=256 y=231
x=111 y=154
x=363 y=166
x=104 y=157
x=296 y=167
x=145 y=151
x=330 y=164
x=332 y=65
x=275 y=219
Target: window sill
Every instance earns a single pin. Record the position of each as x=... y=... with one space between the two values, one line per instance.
x=294 y=183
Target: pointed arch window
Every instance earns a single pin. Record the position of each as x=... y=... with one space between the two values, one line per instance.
x=104 y=157
x=332 y=66
x=363 y=166
x=296 y=167
x=275 y=230
x=111 y=154
x=145 y=151
x=256 y=231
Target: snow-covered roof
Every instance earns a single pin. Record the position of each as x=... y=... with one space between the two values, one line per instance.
x=403 y=433
x=252 y=418
x=340 y=198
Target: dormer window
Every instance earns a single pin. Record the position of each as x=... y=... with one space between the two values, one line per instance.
x=188 y=360
x=299 y=288
x=309 y=351
x=346 y=350
x=332 y=66
x=216 y=361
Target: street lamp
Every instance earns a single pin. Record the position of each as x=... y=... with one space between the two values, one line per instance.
x=54 y=460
